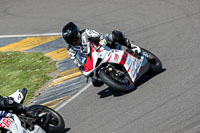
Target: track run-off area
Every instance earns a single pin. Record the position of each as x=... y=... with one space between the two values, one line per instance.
x=54 y=47
x=166 y=103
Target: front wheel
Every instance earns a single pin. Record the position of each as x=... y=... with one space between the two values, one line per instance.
x=116 y=81
x=154 y=61
x=56 y=124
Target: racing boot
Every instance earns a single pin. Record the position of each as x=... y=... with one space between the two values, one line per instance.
x=134 y=48
x=118 y=36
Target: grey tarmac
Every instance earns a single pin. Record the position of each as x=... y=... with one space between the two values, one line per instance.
x=166 y=103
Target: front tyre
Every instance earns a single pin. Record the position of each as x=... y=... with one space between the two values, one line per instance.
x=56 y=123
x=125 y=84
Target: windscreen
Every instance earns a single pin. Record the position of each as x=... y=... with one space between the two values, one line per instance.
x=81 y=58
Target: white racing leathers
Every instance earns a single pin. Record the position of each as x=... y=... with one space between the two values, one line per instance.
x=87 y=36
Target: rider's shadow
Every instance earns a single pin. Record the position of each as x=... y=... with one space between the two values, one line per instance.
x=111 y=92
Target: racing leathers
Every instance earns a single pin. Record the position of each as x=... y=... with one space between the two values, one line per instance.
x=87 y=36
x=8 y=103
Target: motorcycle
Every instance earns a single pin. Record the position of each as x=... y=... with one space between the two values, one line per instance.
x=46 y=119
x=117 y=68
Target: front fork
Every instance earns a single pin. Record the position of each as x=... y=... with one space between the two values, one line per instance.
x=118 y=75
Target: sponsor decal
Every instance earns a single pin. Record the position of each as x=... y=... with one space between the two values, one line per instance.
x=6 y=122
x=116 y=57
x=124 y=57
x=129 y=61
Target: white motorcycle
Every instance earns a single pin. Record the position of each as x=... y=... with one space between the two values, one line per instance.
x=46 y=121
x=117 y=68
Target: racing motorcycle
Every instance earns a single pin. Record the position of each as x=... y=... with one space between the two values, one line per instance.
x=46 y=120
x=117 y=68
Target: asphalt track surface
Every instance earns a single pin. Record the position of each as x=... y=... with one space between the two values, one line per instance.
x=166 y=103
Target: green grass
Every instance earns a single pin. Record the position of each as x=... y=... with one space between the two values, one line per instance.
x=24 y=70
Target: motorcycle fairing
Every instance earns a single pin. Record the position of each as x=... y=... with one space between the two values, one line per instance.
x=131 y=63
x=91 y=61
x=6 y=123
x=12 y=123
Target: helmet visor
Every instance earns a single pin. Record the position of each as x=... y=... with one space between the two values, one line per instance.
x=72 y=38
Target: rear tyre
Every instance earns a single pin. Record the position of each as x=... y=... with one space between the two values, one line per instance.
x=154 y=61
x=111 y=81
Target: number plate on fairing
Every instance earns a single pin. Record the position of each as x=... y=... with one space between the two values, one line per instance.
x=18 y=96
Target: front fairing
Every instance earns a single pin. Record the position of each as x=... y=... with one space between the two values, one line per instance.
x=132 y=64
x=81 y=58
x=92 y=62
x=12 y=123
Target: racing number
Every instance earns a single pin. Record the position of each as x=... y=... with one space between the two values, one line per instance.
x=19 y=97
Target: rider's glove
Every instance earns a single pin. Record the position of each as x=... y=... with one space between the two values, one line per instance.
x=72 y=54
x=103 y=42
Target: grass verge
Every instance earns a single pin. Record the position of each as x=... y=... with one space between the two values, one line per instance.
x=24 y=70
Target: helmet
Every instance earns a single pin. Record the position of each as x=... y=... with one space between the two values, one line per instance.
x=70 y=33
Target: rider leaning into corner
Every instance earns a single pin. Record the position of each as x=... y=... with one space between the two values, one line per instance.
x=8 y=103
x=82 y=38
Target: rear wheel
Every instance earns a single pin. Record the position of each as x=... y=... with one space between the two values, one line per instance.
x=117 y=79
x=155 y=63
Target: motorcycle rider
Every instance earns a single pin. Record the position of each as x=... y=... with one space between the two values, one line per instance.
x=8 y=103
x=75 y=37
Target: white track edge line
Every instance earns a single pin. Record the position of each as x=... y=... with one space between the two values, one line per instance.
x=30 y=35
x=73 y=97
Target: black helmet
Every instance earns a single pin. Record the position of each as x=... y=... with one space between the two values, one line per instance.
x=70 y=33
